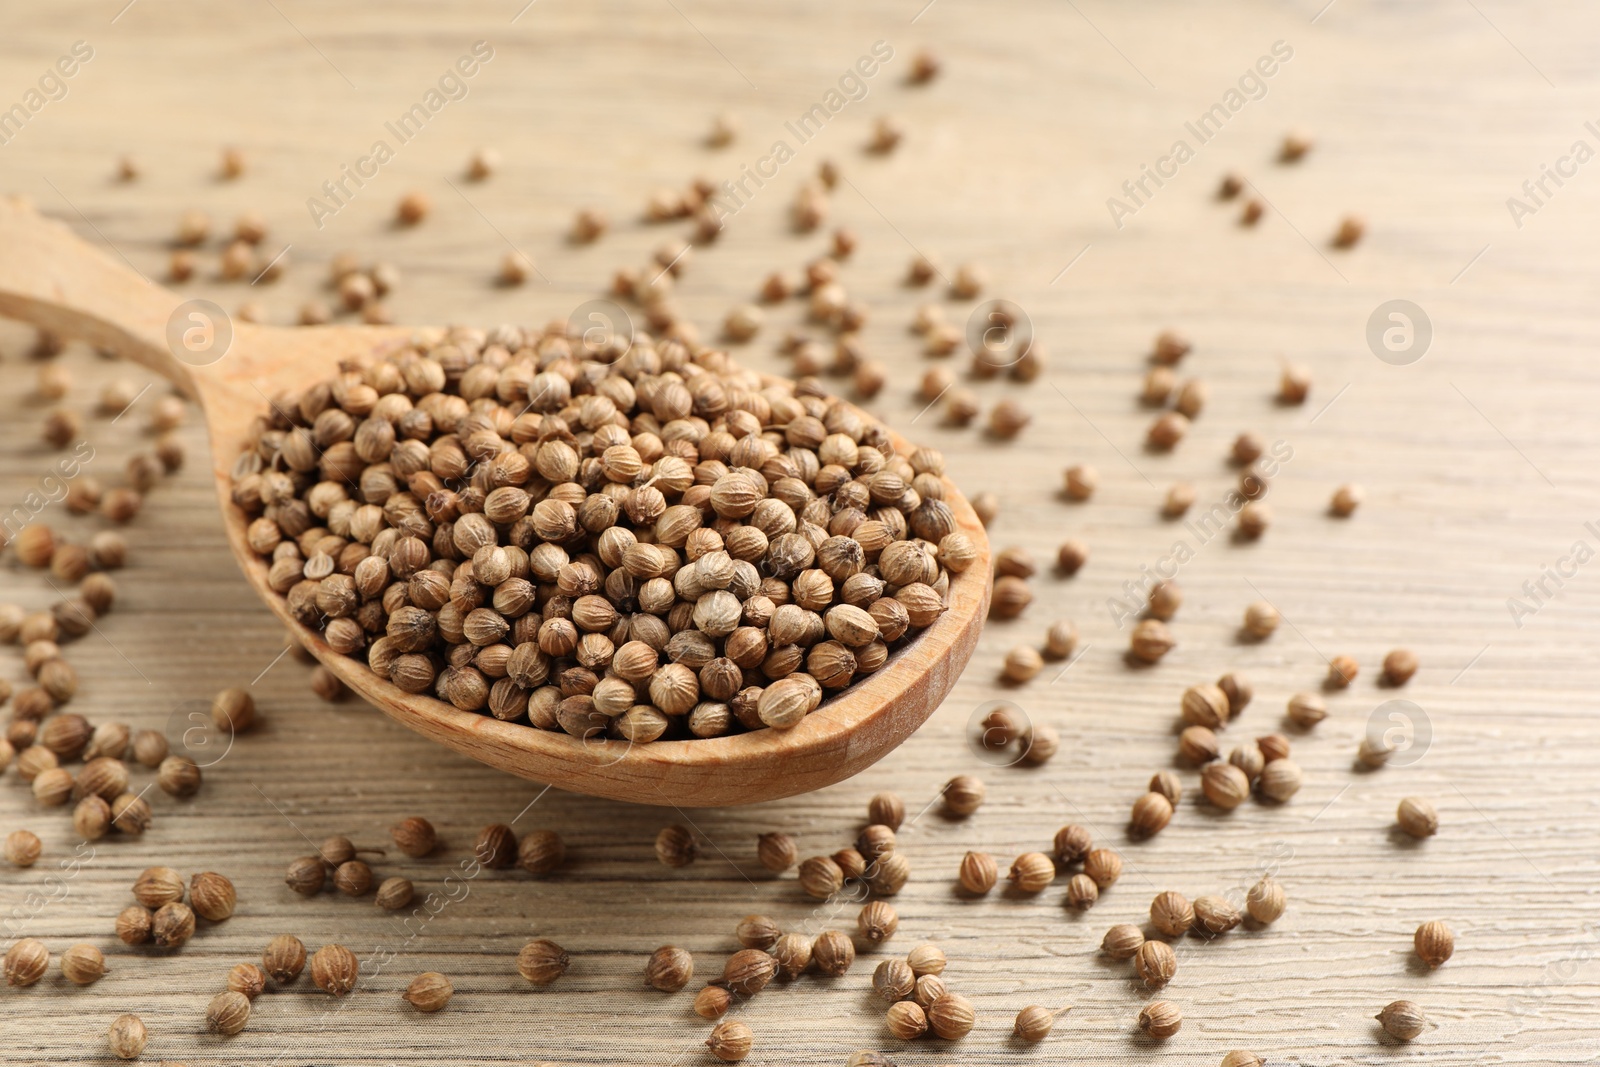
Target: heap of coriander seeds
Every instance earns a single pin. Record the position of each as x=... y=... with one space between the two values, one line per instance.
x=644 y=543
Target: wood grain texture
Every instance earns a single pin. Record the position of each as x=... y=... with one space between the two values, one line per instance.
x=1478 y=461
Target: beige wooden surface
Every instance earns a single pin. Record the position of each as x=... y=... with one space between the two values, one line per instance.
x=1478 y=462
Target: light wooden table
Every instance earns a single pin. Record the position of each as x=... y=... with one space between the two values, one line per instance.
x=1478 y=460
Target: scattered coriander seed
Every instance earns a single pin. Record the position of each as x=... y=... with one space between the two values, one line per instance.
x=712 y=1002
x=1167 y=431
x=986 y=505
x=233 y=711
x=589 y=225
x=1040 y=743
x=1205 y=705
x=793 y=955
x=1307 y=709
x=1151 y=814
x=1170 y=348
x=1224 y=785
x=172 y=925
x=92 y=818
x=1417 y=817
x=1104 y=866
x=1061 y=640
x=821 y=877
x=1240 y=1058
x=53 y=788
x=415 y=836
x=1248 y=758
x=353 y=878
x=1150 y=641
x=730 y=1041
x=1167 y=785
x=1399 y=665
x=776 y=851
x=1022 y=664
x=833 y=953
x=1191 y=400
x=1073 y=844
x=877 y=922
x=1082 y=892
x=1081 y=481
x=1403 y=1020
x=1215 y=915
x=1254 y=208
x=676 y=846
x=669 y=969
x=156 y=886
x=1435 y=943
x=1071 y=557
x=888 y=875
x=1158 y=385
x=284 y=958
x=926 y=960
x=1260 y=620
x=1032 y=872
x=1345 y=500
x=757 y=931
x=1374 y=752
x=1351 y=228
x=1034 y=1023
x=1165 y=599
x=542 y=961
x=850 y=862
x=82 y=965
x=23 y=848
x=541 y=852
x=335 y=969
x=193 y=228
x=1007 y=419
x=428 y=992
x=1342 y=670
x=496 y=846
x=1156 y=963
x=127 y=1037
x=227 y=1013
x=483 y=164
x=925 y=66
x=131 y=814
x=1280 y=779
x=963 y=795
x=248 y=979
x=1294 y=384
x=394 y=894
x=306 y=875
x=1122 y=941
x=413 y=208
x=133 y=924
x=212 y=896
x=1160 y=1019
x=951 y=1017
x=514 y=269
x=26 y=961
x=906 y=1020
x=1253 y=520
x=887 y=809
x=893 y=980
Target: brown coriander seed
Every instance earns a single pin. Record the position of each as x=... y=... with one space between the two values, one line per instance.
x=1265 y=901
x=284 y=958
x=1345 y=500
x=1198 y=745
x=893 y=980
x=415 y=836
x=248 y=979
x=886 y=809
x=730 y=1041
x=1061 y=640
x=877 y=921
x=1151 y=814
x=1434 y=943
x=1403 y=1020
x=1081 y=481
x=23 y=848
x=82 y=964
x=951 y=1017
x=1122 y=941
x=777 y=852
x=1082 y=892
x=127 y=1037
x=821 y=877
x=212 y=896
x=233 y=711
x=1294 y=384
x=1070 y=557
x=1205 y=705
x=669 y=969
x=1351 y=228
x=833 y=953
x=156 y=886
x=306 y=875
x=394 y=894
x=26 y=961
x=926 y=959
x=1305 y=710
x=1417 y=817
x=676 y=846
x=227 y=1013
x=1215 y=915
x=1032 y=872
x=413 y=208
x=793 y=955
x=1342 y=670
x=1103 y=866
x=428 y=992
x=1160 y=1019
x=1280 y=779
x=1242 y=1058
x=1254 y=518
x=1073 y=844
x=1150 y=641
x=1171 y=913
x=757 y=931
x=963 y=795
x=1022 y=664
x=712 y=1002
x=1224 y=785
x=353 y=878
x=906 y=1020
x=1164 y=601
x=978 y=873
x=541 y=852
x=1034 y=1023
x=1166 y=431
x=1156 y=963
x=172 y=925
x=496 y=846
x=335 y=969
x=541 y=961
x=133 y=924
x=1399 y=665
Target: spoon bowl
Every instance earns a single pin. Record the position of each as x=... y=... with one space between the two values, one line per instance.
x=55 y=281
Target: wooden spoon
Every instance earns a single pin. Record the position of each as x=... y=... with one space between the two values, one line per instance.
x=50 y=278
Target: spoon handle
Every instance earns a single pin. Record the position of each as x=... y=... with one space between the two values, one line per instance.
x=54 y=280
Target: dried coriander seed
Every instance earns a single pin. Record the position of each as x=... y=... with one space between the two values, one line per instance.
x=1345 y=500
x=1022 y=664
x=951 y=1017
x=1167 y=785
x=1215 y=915
x=306 y=875
x=1082 y=892
x=757 y=931
x=1435 y=943
x=906 y=1020
x=233 y=711
x=284 y=958
x=133 y=924
x=1224 y=785
x=669 y=969
x=730 y=1041
x=542 y=961
x=893 y=980
x=1070 y=557
x=1156 y=963
x=1265 y=901
x=1417 y=817
x=1198 y=745
x=82 y=965
x=415 y=836
x=248 y=979
x=1342 y=670
x=156 y=886
x=1403 y=1020
x=978 y=873
x=1034 y=1023
x=1260 y=620
x=428 y=992
x=1072 y=844
x=793 y=955
x=963 y=795
x=877 y=922
x=926 y=959
x=1103 y=866
x=1205 y=705
x=821 y=877
x=352 y=878
x=777 y=852
x=172 y=925
x=212 y=896
x=676 y=846
x=1171 y=913
x=23 y=848
x=1150 y=641
x=1237 y=688
x=1122 y=941
x=833 y=953
x=335 y=969
x=127 y=1037
x=1399 y=665
x=394 y=894
x=26 y=961
x=1280 y=779
x=1032 y=872
x=1307 y=709
x=887 y=809
x=227 y=1013
x=1160 y=1019
x=1241 y=1058
x=712 y=1002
